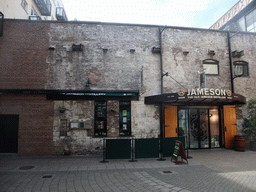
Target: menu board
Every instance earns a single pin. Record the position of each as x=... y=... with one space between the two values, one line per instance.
x=178 y=151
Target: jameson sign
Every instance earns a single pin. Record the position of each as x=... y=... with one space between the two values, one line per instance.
x=206 y=93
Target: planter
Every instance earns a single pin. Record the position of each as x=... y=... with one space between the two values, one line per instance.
x=240 y=143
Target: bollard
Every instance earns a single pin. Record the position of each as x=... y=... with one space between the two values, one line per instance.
x=104 y=152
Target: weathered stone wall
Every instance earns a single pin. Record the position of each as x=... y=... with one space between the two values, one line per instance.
x=78 y=139
x=184 y=69
x=116 y=68
x=245 y=85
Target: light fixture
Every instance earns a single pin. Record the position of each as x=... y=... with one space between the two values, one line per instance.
x=185 y=53
x=211 y=53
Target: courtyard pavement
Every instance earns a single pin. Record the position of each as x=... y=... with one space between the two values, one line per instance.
x=207 y=170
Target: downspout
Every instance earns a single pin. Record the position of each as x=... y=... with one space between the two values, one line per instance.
x=162 y=134
x=230 y=62
x=162 y=119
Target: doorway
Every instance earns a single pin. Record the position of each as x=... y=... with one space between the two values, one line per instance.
x=9 y=125
x=201 y=126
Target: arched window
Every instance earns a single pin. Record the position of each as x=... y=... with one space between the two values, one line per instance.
x=211 y=67
x=241 y=68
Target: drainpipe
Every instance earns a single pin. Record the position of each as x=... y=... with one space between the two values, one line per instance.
x=230 y=62
x=162 y=134
x=161 y=73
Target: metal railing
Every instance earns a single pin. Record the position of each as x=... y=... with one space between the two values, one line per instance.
x=61 y=14
x=44 y=7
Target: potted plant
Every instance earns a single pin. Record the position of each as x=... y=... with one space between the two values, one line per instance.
x=249 y=124
x=213 y=140
x=62 y=109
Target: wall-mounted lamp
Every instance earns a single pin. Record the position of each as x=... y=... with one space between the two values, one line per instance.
x=51 y=48
x=88 y=84
x=156 y=50
x=185 y=53
x=104 y=50
x=237 y=54
x=79 y=47
x=211 y=53
x=132 y=50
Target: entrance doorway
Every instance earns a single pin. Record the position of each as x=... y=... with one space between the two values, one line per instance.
x=9 y=125
x=201 y=126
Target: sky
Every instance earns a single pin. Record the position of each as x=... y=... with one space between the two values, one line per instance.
x=181 y=13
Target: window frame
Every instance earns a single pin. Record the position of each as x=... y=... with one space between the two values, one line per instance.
x=244 y=65
x=254 y=21
x=211 y=62
x=125 y=119
x=100 y=120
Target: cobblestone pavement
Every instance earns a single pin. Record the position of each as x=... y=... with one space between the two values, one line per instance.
x=207 y=170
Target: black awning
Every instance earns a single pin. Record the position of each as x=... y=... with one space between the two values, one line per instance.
x=78 y=94
x=175 y=99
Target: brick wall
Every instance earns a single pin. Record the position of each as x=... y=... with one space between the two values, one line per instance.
x=23 y=52
x=35 y=135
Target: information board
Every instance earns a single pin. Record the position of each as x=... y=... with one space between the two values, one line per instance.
x=178 y=151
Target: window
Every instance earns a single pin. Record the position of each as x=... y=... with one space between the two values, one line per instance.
x=33 y=12
x=24 y=4
x=211 y=67
x=241 y=68
x=100 y=123
x=125 y=118
x=251 y=21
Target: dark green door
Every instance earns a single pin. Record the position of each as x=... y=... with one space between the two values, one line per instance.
x=9 y=125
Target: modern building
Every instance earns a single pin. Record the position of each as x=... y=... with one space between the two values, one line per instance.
x=33 y=9
x=241 y=17
x=68 y=85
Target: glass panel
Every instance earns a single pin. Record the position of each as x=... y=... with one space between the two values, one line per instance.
x=238 y=70
x=193 y=129
x=215 y=131
x=183 y=124
x=125 y=118
x=211 y=69
x=204 y=129
x=251 y=21
x=100 y=119
x=241 y=24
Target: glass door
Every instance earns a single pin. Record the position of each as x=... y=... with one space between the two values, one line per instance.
x=200 y=126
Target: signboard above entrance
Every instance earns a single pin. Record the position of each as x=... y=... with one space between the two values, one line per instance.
x=198 y=96
x=209 y=93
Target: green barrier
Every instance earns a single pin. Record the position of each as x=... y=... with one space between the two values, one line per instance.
x=144 y=148
x=147 y=148
x=168 y=145
x=118 y=148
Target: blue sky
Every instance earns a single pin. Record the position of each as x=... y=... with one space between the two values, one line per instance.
x=184 y=13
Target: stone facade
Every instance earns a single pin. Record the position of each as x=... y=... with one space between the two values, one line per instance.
x=115 y=57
